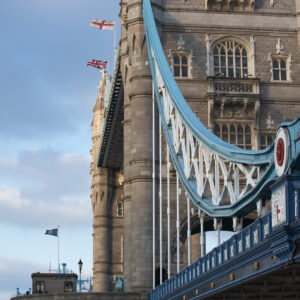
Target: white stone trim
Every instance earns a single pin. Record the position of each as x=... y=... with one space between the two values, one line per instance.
x=288 y=60
x=189 y=55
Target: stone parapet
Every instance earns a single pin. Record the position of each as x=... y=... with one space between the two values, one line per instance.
x=85 y=296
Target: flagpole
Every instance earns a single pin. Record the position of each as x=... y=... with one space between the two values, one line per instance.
x=115 y=37
x=108 y=67
x=58 y=248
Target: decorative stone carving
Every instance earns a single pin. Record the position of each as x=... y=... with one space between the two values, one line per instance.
x=230 y=4
x=180 y=42
x=279 y=47
x=119 y=178
x=270 y=122
x=208 y=60
x=233 y=87
x=124 y=16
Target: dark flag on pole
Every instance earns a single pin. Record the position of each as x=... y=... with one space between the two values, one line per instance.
x=52 y=231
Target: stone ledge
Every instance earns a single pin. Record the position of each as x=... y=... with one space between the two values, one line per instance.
x=85 y=296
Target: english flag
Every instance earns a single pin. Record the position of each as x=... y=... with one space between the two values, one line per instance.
x=104 y=25
x=99 y=64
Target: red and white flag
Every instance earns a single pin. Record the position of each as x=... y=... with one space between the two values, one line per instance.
x=99 y=64
x=104 y=25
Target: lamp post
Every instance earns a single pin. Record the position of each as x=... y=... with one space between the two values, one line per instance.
x=80 y=263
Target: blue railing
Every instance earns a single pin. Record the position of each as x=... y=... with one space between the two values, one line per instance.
x=239 y=243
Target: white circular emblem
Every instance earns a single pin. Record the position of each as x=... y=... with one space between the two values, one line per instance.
x=281 y=150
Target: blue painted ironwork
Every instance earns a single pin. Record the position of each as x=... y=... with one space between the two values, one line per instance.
x=256 y=242
x=166 y=87
x=239 y=243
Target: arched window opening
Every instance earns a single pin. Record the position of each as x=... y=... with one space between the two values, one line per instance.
x=279 y=69
x=230 y=60
x=180 y=65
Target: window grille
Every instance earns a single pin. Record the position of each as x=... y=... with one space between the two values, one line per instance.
x=279 y=66
x=234 y=133
x=230 y=60
x=180 y=65
x=266 y=140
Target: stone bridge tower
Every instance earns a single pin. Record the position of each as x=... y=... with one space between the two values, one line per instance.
x=237 y=65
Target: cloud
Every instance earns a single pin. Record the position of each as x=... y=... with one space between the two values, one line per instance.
x=46 y=88
x=11 y=197
x=45 y=187
x=16 y=273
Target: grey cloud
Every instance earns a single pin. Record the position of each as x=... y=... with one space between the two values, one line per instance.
x=48 y=187
x=16 y=273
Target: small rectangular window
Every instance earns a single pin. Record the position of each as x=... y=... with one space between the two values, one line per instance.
x=40 y=287
x=180 y=64
x=68 y=286
x=279 y=69
x=120 y=209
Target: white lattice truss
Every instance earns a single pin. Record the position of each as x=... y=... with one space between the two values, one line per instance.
x=216 y=178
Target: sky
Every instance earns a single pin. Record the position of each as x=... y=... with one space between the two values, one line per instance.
x=47 y=94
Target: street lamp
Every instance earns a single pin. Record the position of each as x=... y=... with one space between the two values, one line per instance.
x=80 y=263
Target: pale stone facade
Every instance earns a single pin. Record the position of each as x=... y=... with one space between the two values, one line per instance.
x=106 y=194
x=237 y=63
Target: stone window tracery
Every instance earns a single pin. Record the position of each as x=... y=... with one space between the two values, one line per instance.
x=279 y=69
x=180 y=64
x=230 y=59
x=234 y=133
x=266 y=140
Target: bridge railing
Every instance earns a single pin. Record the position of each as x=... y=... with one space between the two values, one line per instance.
x=239 y=243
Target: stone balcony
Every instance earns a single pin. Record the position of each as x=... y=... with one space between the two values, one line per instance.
x=233 y=98
x=233 y=86
x=240 y=5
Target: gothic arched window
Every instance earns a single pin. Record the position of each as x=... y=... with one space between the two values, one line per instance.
x=180 y=65
x=279 y=69
x=230 y=59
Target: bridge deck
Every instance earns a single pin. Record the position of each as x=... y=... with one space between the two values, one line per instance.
x=283 y=283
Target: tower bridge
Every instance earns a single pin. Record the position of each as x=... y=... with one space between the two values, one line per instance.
x=184 y=139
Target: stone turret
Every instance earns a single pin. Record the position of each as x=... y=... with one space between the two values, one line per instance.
x=101 y=193
x=137 y=83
